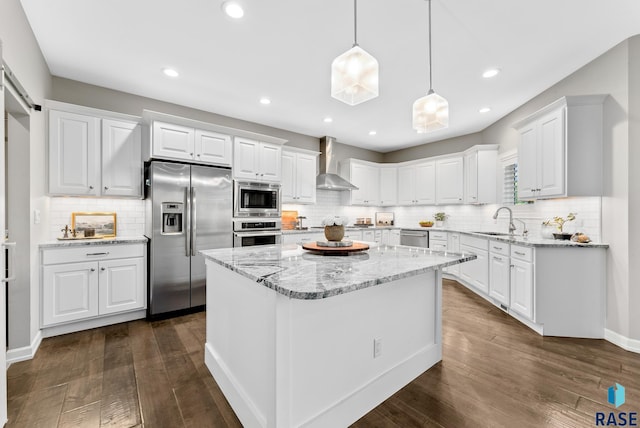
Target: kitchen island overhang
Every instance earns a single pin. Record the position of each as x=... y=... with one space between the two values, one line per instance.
x=299 y=339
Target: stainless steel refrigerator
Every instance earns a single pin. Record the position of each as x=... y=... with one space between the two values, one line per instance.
x=189 y=208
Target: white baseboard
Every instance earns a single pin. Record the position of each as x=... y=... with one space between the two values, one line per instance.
x=624 y=342
x=26 y=352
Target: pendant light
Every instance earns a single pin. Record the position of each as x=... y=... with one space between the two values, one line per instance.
x=430 y=112
x=354 y=74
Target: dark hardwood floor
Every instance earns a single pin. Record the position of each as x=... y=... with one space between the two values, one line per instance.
x=495 y=373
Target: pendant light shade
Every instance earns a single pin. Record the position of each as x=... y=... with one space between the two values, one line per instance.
x=430 y=112
x=354 y=74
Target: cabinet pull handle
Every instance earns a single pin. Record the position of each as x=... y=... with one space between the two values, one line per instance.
x=497 y=258
x=98 y=254
x=511 y=266
x=519 y=253
x=497 y=248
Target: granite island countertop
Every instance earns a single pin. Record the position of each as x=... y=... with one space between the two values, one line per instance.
x=300 y=274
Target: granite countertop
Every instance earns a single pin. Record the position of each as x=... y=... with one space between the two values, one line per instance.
x=102 y=241
x=299 y=274
x=515 y=239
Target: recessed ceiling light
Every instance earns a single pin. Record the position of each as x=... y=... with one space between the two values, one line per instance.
x=265 y=101
x=485 y=110
x=233 y=9
x=492 y=72
x=170 y=72
x=372 y=132
x=327 y=120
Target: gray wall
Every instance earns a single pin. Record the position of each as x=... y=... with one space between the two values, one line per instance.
x=83 y=94
x=22 y=53
x=634 y=188
x=443 y=147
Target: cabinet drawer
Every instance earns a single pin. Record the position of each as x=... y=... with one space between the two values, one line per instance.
x=474 y=241
x=438 y=236
x=91 y=253
x=438 y=246
x=497 y=247
x=522 y=253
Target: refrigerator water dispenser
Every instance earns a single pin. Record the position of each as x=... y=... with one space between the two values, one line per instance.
x=172 y=213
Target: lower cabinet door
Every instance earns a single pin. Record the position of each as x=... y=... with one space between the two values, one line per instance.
x=122 y=286
x=499 y=278
x=522 y=288
x=70 y=292
x=476 y=272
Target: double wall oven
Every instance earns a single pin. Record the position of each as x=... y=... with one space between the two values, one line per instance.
x=256 y=212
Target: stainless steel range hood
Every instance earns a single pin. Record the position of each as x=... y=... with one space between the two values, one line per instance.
x=328 y=179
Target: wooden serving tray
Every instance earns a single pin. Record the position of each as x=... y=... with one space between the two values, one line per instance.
x=335 y=251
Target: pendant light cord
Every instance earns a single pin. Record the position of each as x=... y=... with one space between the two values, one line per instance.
x=430 y=72
x=355 y=22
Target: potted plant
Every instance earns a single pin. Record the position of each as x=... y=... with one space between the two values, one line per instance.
x=334 y=227
x=559 y=225
x=439 y=218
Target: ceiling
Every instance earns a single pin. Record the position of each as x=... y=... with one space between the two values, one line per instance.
x=283 y=49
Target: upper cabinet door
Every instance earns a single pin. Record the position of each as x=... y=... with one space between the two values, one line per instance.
x=406 y=185
x=551 y=161
x=388 y=186
x=74 y=154
x=305 y=177
x=212 y=147
x=173 y=141
x=270 y=163
x=471 y=177
x=527 y=162
x=425 y=183
x=121 y=165
x=288 y=189
x=449 y=174
x=246 y=159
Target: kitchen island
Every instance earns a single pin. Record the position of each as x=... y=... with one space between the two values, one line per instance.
x=299 y=339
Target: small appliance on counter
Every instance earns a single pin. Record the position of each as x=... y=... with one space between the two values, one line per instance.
x=384 y=219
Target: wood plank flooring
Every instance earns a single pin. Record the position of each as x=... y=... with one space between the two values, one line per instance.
x=495 y=373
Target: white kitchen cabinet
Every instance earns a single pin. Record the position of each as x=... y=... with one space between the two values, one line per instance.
x=92 y=154
x=521 y=300
x=388 y=185
x=299 y=176
x=499 y=272
x=475 y=272
x=369 y=235
x=256 y=161
x=177 y=142
x=366 y=177
x=560 y=149
x=453 y=245
x=438 y=240
x=449 y=180
x=480 y=174
x=81 y=283
x=171 y=141
x=417 y=183
x=353 y=235
x=121 y=152
x=213 y=147
x=300 y=238
x=394 y=237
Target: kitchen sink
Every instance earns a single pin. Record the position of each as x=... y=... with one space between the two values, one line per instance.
x=494 y=233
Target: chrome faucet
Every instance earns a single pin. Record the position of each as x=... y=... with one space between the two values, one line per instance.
x=512 y=227
x=525 y=232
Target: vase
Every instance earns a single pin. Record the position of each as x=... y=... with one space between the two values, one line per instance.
x=334 y=233
x=439 y=223
x=546 y=232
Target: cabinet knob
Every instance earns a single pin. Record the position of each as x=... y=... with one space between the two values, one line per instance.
x=190 y=154
x=198 y=155
x=90 y=187
x=261 y=175
x=93 y=269
x=103 y=269
x=106 y=188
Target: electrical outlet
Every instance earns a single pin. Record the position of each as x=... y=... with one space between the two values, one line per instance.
x=377 y=347
x=36 y=216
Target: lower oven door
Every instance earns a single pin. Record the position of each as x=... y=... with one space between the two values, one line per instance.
x=249 y=239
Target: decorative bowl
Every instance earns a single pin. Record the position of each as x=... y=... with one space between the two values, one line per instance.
x=426 y=223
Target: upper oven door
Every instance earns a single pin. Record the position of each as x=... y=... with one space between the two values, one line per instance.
x=256 y=199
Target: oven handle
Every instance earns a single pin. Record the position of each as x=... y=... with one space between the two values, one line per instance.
x=258 y=233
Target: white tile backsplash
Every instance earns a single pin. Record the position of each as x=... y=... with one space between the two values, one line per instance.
x=467 y=217
x=129 y=213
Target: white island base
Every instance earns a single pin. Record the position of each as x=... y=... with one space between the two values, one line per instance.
x=287 y=362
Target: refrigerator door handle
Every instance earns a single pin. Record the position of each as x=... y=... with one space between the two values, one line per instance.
x=194 y=223
x=187 y=220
